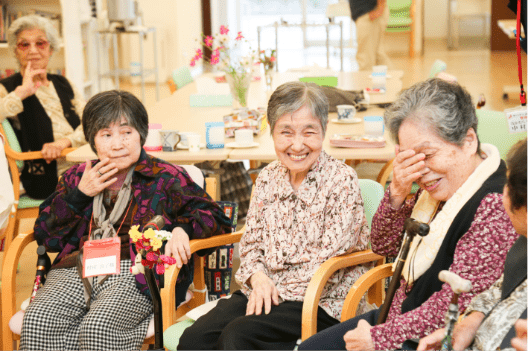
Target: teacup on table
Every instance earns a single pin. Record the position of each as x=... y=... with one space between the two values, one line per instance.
x=345 y=112
x=170 y=139
x=244 y=137
x=184 y=142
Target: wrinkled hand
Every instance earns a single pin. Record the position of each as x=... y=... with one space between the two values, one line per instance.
x=407 y=168
x=96 y=179
x=263 y=295
x=519 y=342
x=178 y=247
x=359 y=338
x=31 y=81
x=463 y=334
x=52 y=151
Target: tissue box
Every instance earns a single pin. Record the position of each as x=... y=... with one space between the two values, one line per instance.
x=245 y=119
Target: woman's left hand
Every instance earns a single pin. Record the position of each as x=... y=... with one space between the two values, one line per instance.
x=359 y=338
x=52 y=151
x=178 y=246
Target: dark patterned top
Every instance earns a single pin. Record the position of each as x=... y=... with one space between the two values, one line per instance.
x=479 y=257
x=158 y=188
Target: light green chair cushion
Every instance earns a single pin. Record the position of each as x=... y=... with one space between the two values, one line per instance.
x=399 y=5
x=182 y=77
x=171 y=336
x=493 y=129
x=12 y=140
x=372 y=193
x=28 y=202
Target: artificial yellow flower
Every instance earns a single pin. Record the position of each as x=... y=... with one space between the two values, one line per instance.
x=149 y=233
x=155 y=243
x=134 y=233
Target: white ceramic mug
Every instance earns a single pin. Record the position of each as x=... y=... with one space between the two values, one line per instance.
x=184 y=135
x=170 y=139
x=345 y=112
x=153 y=141
x=244 y=137
x=194 y=142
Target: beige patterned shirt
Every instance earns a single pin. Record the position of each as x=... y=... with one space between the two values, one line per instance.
x=289 y=233
x=502 y=315
x=11 y=106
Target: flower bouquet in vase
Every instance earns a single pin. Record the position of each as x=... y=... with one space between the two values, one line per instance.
x=228 y=56
x=268 y=58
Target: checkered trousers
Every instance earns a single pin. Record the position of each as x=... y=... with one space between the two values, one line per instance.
x=58 y=319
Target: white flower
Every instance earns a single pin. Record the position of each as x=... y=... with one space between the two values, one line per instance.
x=163 y=235
x=223 y=39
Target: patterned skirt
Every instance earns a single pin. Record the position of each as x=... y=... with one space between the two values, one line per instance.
x=58 y=318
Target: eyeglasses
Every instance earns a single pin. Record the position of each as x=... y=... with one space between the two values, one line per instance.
x=40 y=44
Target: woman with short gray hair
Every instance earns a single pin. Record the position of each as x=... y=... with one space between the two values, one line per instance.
x=460 y=197
x=306 y=208
x=44 y=109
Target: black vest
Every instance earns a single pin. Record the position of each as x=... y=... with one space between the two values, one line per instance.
x=38 y=177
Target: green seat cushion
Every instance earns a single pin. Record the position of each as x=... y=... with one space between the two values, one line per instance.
x=398 y=22
x=28 y=202
x=12 y=140
x=171 y=336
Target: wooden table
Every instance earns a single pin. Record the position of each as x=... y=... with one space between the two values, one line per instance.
x=174 y=112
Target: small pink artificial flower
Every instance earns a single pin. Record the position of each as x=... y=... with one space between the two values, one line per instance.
x=162 y=260
x=239 y=36
x=193 y=62
x=215 y=59
x=199 y=54
x=208 y=41
x=272 y=59
x=224 y=30
x=216 y=52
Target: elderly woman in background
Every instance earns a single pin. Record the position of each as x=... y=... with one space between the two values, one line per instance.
x=305 y=209
x=489 y=321
x=435 y=128
x=102 y=199
x=44 y=109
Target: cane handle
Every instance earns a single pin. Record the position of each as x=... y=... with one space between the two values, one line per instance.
x=458 y=285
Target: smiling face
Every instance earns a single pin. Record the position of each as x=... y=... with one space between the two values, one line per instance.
x=120 y=143
x=298 y=139
x=449 y=165
x=32 y=45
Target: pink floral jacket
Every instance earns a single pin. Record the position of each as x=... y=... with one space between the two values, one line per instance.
x=289 y=234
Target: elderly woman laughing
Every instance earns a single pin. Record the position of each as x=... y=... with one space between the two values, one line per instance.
x=306 y=208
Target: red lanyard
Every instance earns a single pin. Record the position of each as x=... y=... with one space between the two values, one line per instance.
x=522 y=95
x=123 y=221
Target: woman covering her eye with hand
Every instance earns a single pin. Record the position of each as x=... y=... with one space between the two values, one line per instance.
x=44 y=109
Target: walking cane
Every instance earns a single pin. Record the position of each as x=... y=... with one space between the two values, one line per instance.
x=458 y=285
x=411 y=228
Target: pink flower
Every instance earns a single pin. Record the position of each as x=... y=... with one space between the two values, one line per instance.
x=199 y=54
x=193 y=62
x=239 y=36
x=162 y=260
x=216 y=52
x=272 y=59
x=224 y=29
x=215 y=59
x=208 y=41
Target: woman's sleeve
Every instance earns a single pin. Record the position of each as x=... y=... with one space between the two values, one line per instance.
x=345 y=224
x=387 y=225
x=64 y=216
x=77 y=137
x=479 y=257
x=10 y=104
x=251 y=246
x=485 y=301
x=196 y=212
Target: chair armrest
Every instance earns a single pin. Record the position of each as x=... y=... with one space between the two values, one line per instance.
x=9 y=269
x=31 y=155
x=361 y=286
x=318 y=281
x=384 y=173
x=168 y=293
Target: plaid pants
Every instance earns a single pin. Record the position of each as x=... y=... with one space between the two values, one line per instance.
x=58 y=319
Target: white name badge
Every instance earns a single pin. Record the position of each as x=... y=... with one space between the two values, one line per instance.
x=100 y=266
x=517 y=119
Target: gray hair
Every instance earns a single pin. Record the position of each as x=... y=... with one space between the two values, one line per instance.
x=107 y=108
x=291 y=96
x=32 y=22
x=445 y=107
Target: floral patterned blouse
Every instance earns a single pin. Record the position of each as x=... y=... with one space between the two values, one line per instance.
x=501 y=315
x=479 y=257
x=11 y=106
x=289 y=233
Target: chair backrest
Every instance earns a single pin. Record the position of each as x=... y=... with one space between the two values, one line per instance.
x=182 y=77
x=438 y=66
x=399 y=5
x=12 y=140
x=372 y=193
x=493 y=129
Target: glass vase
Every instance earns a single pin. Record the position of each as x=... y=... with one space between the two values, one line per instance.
x=268 y=75
x=239 y=87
